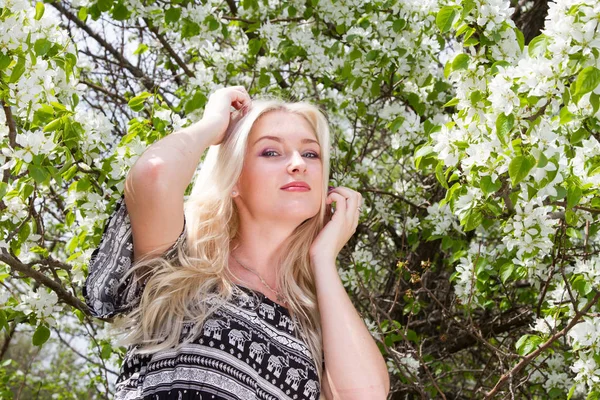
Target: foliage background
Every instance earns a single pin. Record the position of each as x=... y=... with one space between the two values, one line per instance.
x=470 y=127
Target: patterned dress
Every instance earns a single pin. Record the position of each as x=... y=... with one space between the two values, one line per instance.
x=248 y=348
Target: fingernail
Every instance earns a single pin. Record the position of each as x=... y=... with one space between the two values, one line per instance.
x=331 y=188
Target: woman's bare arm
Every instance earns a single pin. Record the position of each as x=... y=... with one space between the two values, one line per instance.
x=156 y=184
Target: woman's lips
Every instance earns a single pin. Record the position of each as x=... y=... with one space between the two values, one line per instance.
x=296 y=189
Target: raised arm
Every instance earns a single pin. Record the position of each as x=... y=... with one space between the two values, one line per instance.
x=156 y=184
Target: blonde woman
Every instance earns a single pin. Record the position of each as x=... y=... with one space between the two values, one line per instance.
x=234 y=293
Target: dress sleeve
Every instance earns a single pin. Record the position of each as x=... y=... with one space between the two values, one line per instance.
x=105 y=292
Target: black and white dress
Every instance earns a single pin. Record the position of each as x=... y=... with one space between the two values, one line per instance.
x=248 y=348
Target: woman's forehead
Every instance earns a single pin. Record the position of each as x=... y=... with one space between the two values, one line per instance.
x=282 y=124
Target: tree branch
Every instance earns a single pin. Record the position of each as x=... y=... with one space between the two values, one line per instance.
x=530 y=357
x=42 y=279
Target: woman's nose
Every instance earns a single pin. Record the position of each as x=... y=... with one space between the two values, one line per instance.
x=297 y=162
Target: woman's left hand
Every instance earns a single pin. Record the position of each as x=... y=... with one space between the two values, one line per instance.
x=336 y=233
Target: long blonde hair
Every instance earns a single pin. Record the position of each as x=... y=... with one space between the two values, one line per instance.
x=192 y=285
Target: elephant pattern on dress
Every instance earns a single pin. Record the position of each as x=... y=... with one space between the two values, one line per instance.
x=266 y=310
x=311 y=389
x=237 y=337
x=276 y=364
x=294 y=376
x=258 y=350
x=214 y=327
x=246 y=349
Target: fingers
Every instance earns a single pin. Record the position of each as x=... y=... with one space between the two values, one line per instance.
x=347 y=203
x=240 y=97
x=353 y=198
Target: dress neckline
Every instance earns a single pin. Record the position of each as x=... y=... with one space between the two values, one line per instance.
x=262 y=296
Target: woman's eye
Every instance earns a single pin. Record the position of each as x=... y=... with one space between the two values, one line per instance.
x=311 y=154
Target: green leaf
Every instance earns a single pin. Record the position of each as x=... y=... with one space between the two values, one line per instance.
x=196 y=102
x=520 y=38
x=70 y=173
x=41 y=335
x=82 y=14
x=537 y=46
x=42 y=46
x=264 y=79
x=595 y=102
x=571 y=392
x=172 y=15
x=461 y=61
x=53 y=125
x=587 y=80
x=142 y=48
x=452 y=102
x=543 y=161
x=189 y=29
x=565 y=116
x=574 y=194
x=582 y=285
x=371 y=55
x=120 y=12
x=39 y=174
x=39 y=11
x=106 y=351
x=340 y=29
x=445 y=18
x=3 y=322
x=527 y=343
x=473 y=220
x=504 y=125
x=18 y=70
x=439 y=174
x=593 y=395
x=254 y=46
x=506 y=271
x=488 y=186
x=519 y=168
x=137 y=103
x=5 y=61
x=398 y=25
x=423 y=151
x=212 y=23
x=104 y=5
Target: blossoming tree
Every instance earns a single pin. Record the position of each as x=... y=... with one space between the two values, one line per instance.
x=476 y=147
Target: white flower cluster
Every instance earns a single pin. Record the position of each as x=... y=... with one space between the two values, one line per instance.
x=43 y=303
x=32 y=144
x=529 y=230
x=589 y=268
x=408 y=361
x=42 y=79
x=545 y=325
x=493 y=13
x=553 y=374
x=585 y=337
x=340 y=12
x=464 y=279
x=441 y=219
x=587 y=369
x=572 y=32
x=172 y=118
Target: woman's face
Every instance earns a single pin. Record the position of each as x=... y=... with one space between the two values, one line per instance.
x=282 y=148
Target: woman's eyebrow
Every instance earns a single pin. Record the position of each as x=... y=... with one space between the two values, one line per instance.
x=277 y=139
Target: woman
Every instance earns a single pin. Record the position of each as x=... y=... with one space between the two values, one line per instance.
x=234 y=294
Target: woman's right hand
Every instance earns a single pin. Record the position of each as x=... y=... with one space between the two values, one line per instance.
x=218 y=109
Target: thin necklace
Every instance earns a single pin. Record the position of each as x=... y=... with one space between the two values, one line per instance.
x=280 y=298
